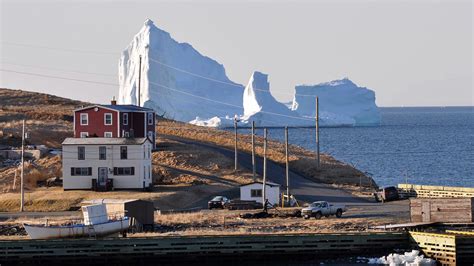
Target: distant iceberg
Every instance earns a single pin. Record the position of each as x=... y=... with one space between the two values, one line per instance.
x=340 y=102
x=181 y=84
x=260 y=106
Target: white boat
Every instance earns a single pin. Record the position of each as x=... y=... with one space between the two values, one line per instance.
x=96 y=223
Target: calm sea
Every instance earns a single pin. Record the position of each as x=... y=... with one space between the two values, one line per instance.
x=424 y=145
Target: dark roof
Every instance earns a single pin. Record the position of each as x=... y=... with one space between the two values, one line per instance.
x=104 y=141
x=270 y=184
x=128 y=108
x=119 y=107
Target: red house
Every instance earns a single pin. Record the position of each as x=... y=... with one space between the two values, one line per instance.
x=115 y=121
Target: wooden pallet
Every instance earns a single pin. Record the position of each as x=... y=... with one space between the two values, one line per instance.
x=447 y=248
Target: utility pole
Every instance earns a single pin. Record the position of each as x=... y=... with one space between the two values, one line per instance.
x=264 y=196
x=287 y=165
x=253 y=153
x=139 y=78
x=235 y=144
x=22 y=181
x=317 y=133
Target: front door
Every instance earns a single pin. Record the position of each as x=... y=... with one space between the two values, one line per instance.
x=425 y=212
x=102 y=180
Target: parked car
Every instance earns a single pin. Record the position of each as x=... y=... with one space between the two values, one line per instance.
x=218 y=202
x=386 y=194
x=319 y=209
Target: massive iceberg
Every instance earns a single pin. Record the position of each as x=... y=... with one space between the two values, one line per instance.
x=262 y=108
x=181 y=84
x=341 y=102
x=176 y=80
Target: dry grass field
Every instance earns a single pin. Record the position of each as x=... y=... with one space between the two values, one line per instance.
x=301 y=160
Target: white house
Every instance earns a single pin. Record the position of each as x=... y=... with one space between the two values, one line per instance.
x=253 y=191
x=106 y=163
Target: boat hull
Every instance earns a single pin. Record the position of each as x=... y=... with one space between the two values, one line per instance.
x=77 y=230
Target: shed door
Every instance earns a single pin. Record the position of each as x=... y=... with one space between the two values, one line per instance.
x=425 y=212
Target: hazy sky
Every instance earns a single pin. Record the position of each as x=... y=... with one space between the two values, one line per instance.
x=411 y=53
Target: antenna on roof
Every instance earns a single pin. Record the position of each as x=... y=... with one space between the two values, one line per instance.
x=139 y=78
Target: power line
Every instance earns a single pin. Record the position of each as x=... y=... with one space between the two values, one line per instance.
x=153 y=60
x=223 y=103
x=58 y=69
x=56 y=77
x=224 y=82
x=57 y=48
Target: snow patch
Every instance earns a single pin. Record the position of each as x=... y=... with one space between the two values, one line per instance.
x=408 y=259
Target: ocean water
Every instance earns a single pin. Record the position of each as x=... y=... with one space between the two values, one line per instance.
x=423 y=145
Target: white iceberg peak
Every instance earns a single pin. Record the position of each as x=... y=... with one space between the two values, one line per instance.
x=149 y=22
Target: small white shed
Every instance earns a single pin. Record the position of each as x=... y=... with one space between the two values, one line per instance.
x=253 y=191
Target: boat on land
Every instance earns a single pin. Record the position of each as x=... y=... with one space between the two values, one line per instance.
x=96 y=223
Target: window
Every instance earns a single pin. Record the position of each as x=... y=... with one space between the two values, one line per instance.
x=124 y=170
x=107 y=134
x=150 y=119
x=81 y=171
x=84 y=119
x=108 y=119
x=84 y=134
x=125 y=119
x=102 y=153
x=254 y=193
x=81 y=153
x=123 y=152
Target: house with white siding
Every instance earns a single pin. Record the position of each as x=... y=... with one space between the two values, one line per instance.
x=107 y=163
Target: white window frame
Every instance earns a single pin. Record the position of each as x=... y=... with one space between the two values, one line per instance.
x=105 y=119
x=84 y=134
x=125 y=121
x=150 y=118
x=108 y=133
x=86 y=115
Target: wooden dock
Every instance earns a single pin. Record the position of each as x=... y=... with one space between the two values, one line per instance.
x=188 y=248
x=423 y=191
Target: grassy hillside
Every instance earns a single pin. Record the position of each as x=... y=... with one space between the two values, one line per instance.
x=48 y=117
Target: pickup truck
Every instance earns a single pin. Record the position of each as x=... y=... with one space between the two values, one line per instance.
x=319 y=209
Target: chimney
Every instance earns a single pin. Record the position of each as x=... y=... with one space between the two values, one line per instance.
x=113 y=102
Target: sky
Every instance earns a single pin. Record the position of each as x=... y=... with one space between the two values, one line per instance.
x=411 y=53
